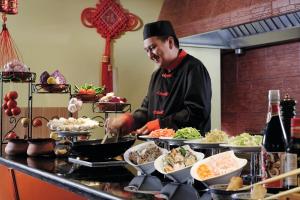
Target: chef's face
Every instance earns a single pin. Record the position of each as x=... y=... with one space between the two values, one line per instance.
x=159 y=50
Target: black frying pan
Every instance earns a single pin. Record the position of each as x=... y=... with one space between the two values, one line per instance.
x=95 y=150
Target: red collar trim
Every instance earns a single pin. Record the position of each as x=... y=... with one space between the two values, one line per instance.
x=177 y=61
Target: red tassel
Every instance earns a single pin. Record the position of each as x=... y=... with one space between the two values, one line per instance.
x=107 y=77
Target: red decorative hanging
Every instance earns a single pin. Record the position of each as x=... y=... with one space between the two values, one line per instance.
x=111 y=21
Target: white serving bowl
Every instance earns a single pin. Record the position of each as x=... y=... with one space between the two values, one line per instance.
x=181 y=175
x=146 y=168
x=221 y=179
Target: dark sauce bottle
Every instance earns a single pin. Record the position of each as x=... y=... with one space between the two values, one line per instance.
x=274 y=144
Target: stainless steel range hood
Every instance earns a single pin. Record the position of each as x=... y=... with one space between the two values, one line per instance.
x=271 y=30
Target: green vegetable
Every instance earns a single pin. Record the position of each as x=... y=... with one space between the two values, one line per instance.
x=182 y=151
x=98 y=90
x=187 y=133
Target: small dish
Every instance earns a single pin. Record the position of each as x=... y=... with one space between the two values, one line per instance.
x=219 y=192
x=219 y=163
x=182 y=175
x=246 y=196
x=146 y=168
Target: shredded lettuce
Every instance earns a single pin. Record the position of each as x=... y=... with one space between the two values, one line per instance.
x=187 y=133
x=245 y=139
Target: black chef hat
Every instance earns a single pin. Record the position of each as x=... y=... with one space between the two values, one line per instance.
x=159 y=28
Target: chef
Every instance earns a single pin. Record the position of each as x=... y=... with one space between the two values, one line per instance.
x=179 y=93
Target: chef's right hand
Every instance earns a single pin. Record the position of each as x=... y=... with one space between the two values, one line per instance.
x=121 y=124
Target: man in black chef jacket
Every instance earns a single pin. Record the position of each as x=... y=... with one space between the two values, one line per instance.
x=179 y=93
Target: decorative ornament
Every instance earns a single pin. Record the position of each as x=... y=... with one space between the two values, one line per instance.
x=110 y=20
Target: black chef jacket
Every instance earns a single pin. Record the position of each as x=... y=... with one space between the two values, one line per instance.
x=179 y=98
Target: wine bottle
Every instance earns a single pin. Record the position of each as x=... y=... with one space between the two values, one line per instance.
x=274 y=144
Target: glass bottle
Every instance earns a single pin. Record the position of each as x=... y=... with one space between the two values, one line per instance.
x=288 y=111
x=293 y=154
x=274 y=144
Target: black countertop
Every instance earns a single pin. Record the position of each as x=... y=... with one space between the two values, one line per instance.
x=99 y=183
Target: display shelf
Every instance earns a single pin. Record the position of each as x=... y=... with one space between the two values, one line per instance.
x=51 y=88
x=18 y=77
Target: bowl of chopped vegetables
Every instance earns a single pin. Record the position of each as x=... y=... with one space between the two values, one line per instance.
x=176 y=164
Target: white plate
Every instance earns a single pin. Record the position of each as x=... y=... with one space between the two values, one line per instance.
x=197 y=143
x=174 y=141
x=242 y=148
x=72 y=133
x=146 y=138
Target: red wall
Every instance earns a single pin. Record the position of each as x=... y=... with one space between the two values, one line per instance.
x=246 y=80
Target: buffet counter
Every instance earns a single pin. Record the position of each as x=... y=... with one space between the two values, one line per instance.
x=55 y=178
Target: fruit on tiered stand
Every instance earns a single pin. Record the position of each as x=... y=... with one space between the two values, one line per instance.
x=10 y=104
x=89 y=92
x=54 y=82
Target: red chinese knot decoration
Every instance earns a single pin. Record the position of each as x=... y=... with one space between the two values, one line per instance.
x=111 y=21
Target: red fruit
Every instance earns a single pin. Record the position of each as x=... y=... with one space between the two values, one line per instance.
x=8 y=112
x=6 y=98
x=11 y=104
x=4 y=105
x=37 y=123
x=82 y=91
x=11 y=135
x=12 y=95
x=16 y=111
x=91 y=91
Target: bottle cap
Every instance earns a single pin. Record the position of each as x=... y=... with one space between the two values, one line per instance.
x=295 y=122
x=274 y=95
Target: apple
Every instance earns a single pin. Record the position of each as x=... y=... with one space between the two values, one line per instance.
x=25 y=122
x=11 y=135
x=12 y=95
x=37 y=123
x=16 y=111
x=4 y=105
x=11 y=104
x=8 y=112
x=6 y=98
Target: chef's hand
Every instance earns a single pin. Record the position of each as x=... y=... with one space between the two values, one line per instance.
x=121 y=124
x=143 y=131
x=150 y=126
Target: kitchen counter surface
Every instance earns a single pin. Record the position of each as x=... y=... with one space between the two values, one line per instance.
x=93 y=183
